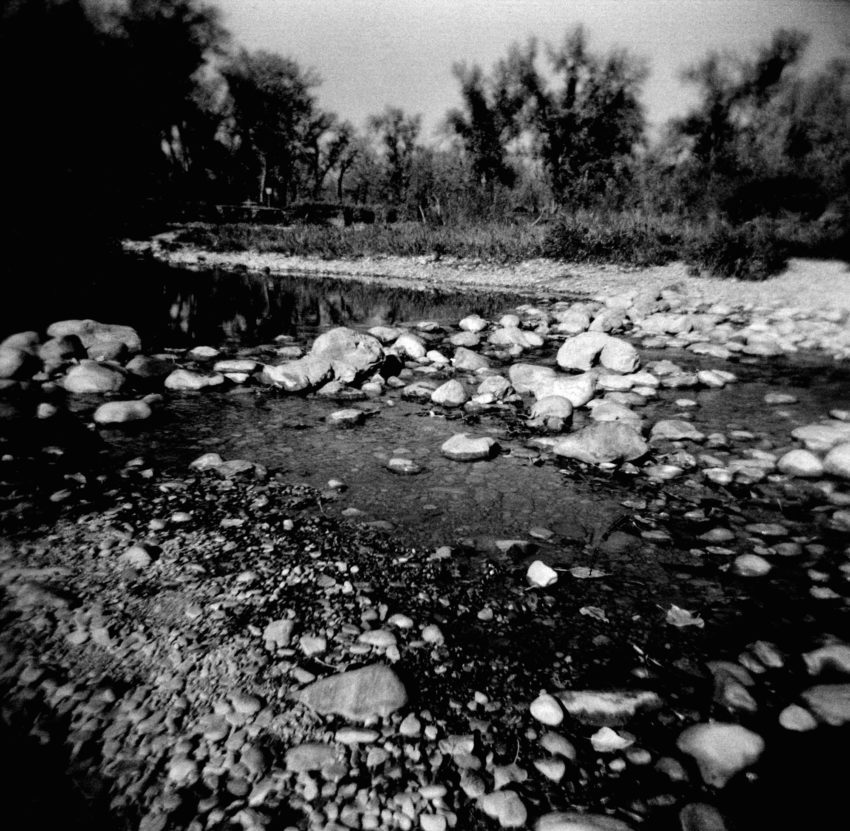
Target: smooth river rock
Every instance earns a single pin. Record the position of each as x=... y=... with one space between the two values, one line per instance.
x=461 y=448
x=121 y=412
x=720 y=750
x=605 y=441
x=93 y=377
x=357 y=695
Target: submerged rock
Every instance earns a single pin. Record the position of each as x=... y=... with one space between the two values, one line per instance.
x=607 y=707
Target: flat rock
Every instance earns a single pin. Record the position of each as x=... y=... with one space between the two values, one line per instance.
x=468 y=361
x=346 y=418
x=675 y=430
x=184 y=379
x=301 y=375
x=93 y=377
x=357 y=695
x=310 y=756
x=571 y=821
x=802 y=463
x=505 y=807
x=461 y=448
x=608 y=441
x=607 y=707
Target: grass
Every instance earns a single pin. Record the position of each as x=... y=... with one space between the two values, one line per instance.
x=754 y=250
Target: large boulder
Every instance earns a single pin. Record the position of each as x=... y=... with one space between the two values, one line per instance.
x=58 y=350
x=530 y=377
x=605 y=441
x=91 y=332
x=93 y=377
x=353 y=356
x=28 y=341
x=837 y=461
x=302 y=375
x=121 y=412
x=357 y=695
x=577 y=389
x=17 y=363
x=589 y=348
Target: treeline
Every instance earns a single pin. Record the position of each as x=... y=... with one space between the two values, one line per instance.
x=148 y=104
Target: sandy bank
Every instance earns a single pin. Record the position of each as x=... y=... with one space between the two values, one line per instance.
x=805 y=284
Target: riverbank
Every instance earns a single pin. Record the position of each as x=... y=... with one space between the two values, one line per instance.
x=805 y=284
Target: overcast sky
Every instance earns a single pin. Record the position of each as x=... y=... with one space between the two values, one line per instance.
x=370 y=53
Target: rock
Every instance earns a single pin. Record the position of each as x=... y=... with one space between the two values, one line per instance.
x=461 y=448
x=546 y=709
x=797 y=719
x=609 y=441
x=403 y=467
x=385 y=334
x=451 y=394
x=356 y=735
x=557 y=745
x=93 y=377
x=207 y=461
x=720 y=750
x=495 y=385
x=17 y=363
x=107 y=350
x=530 y=377
x=541 y=575
x=552 y=413
x=58 y=350
x=698 y=816
x=353 y=356
x=310 y=756
x=26 y=341
x=553 y=769
x=577 y=389
x=675 y=430
x=606 y=740
x=121 y=412
x=468 y=339
x=572 y=321
x=90 y=332
x=780 y=398
x=150 y=366
x=473 y=323
x=619 y=356
x=301 y=375
x=237 y=365
x=378 y=638
x=609 y=707
x=822 y=437
x=751 y=565
x=505 y=807
x=357 y=695
x=837 y=461
x=835 y=656
x=184 y=379
x=346 y=418
x=512 y=336
x=801 y=463
x=570 y=821
x=136 y=556
x=581 y=352
x=279 y=632
x=410 y=345
x=830 y=703
x=468 y=361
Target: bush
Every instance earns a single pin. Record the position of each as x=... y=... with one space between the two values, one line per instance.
x=751 y=251
x=626 y=239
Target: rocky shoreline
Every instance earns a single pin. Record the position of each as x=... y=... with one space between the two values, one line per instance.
x=209 y=648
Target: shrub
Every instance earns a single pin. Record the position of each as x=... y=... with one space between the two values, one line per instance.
x=750 y=251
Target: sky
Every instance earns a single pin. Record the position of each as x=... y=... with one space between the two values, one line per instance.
x=374 y=53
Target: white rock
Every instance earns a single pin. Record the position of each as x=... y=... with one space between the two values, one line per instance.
x=606 y=740
x=720 y=750
x=837 y=461
x=801 y=463
x=541 y=575
x=546 y=709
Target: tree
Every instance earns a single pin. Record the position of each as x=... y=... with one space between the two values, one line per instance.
x=585 y=123
x=396 y=134
x=272 y=111
x=484 y=128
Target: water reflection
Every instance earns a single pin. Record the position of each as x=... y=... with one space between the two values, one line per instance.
x=177 y=307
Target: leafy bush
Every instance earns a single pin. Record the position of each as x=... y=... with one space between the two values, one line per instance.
x=750 y=251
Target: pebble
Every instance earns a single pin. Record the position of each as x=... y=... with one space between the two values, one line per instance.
x=547 y=710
